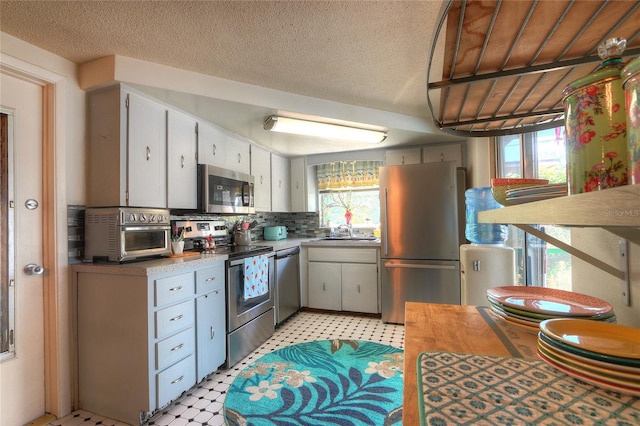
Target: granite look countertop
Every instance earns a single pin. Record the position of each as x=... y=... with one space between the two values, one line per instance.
x=316 y=242
x=150 y=267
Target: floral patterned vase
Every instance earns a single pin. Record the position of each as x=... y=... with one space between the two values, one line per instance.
x=631 y=85
x=596 y=128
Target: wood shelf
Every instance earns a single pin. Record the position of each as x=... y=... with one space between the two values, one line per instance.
x=611 y=208
x=616 y=209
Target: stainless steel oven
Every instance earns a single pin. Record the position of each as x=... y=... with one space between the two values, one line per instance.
x=250 y=321
x=120 y=234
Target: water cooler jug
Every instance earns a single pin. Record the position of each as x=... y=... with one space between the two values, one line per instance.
x=486 y=262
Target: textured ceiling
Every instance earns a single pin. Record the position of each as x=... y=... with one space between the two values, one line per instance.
x=359 y=53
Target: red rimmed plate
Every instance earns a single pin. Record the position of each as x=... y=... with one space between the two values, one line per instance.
x=594 y=380
x=549 y=301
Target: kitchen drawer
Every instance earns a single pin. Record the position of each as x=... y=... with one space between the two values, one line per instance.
x=346 y=255
x=175 y=348
x=173 y=289
x=210 y=279
x=175 y=380
x=174 y=318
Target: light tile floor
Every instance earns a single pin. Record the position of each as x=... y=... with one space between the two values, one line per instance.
x=202 y=404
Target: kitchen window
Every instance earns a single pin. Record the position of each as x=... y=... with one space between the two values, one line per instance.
x=541 y=155
x=349 y=186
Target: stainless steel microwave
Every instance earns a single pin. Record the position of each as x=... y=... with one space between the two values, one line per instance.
x=224 y=191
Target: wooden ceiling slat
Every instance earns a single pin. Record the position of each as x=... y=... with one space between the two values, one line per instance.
x=502 y=84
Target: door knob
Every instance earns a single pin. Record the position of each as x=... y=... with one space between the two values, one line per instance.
x=33 y=269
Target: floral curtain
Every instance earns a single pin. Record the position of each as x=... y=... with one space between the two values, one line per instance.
x=348 y=175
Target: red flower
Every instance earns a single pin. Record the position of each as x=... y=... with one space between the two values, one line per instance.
x=611 y=154
x=616 y=107
x=592 y=184
x=593 y=90
x=586 y=137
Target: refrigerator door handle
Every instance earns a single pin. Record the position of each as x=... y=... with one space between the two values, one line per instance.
x=386 y=223
x=417 y=266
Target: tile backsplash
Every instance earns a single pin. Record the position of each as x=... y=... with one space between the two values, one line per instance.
x=299 y=225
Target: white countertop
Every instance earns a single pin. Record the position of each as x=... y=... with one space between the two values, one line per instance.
x=150 y=267
x=318 y=242
x=170 y=264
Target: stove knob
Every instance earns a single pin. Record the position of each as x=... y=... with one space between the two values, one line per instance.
x=160 y=218
x=152 y=217
x=143 y=218
x=131 y=218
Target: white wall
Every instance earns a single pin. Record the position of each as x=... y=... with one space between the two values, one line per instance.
x=480 y=164
x=589 y=280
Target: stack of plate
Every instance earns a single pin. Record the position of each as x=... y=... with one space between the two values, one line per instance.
x=527 y=307
x=603 y=354
x=536 y=193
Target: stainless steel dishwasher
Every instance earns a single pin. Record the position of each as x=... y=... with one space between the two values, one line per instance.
x=287 y=287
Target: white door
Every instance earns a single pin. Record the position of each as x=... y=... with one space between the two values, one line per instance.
x=22 y=391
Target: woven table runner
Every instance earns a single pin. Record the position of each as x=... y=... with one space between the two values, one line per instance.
x=466 y=389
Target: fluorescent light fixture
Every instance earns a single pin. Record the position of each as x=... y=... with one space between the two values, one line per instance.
x=319 y=129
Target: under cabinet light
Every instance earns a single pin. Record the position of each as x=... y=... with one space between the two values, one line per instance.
x=316 y=128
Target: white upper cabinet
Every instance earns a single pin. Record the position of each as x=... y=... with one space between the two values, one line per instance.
x=181 y=161
x=222 y=149
x=399 y=157
x=450 y=152
x=127 y=150
x=303 y=186
x=280 y=177
x=261 y=171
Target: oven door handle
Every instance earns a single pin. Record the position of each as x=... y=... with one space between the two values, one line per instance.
x=241 y=261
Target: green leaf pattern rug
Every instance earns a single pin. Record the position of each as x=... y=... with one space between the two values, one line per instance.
x=327 y=382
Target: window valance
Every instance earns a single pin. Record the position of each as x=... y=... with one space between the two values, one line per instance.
x=348 y=175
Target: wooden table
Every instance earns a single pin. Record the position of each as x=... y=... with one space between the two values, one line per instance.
x=447 y=328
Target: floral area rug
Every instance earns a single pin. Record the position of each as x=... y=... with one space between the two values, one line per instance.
x=326 y=382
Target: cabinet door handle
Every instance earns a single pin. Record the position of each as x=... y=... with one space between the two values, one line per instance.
x=177 y=348
x=260 y=179
x=214 y=149
x=358 y=288
x=148 y=153
x=239 y=158
x=211 y=279
x=403 y=159
x=212 y=332
x=179 y=317
x=216 y=291
x=182 y=161
x=324 y=287
x=179 y=379
x=176 y=288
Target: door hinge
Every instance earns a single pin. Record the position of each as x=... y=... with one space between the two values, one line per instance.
x=126 y=101
x=196 y=128
x=11 y=338
x=12 y=282
x=11 y=204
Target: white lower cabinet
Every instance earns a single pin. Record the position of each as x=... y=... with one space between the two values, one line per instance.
x=358 y=292
x=343 y=279
x=325 y=283
x=145 y=339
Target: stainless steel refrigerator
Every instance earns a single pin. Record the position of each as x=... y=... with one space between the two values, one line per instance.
x=422 y=224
